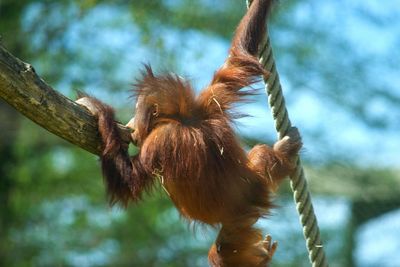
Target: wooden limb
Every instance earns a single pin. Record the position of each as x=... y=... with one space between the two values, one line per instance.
x=23 y=89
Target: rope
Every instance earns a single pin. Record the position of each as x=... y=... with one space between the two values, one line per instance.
x=298 y=182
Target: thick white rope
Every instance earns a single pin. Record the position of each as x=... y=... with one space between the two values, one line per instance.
x=298 y=183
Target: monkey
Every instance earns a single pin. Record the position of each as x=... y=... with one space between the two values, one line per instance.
x=188 y=142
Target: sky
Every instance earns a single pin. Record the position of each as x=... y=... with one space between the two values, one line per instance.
x=200 y=54
x=204 y=53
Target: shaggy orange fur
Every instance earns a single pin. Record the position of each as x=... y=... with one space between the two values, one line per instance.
x=188 y=141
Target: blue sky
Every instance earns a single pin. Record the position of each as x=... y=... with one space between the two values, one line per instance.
x=201 y=54
x=108 y=30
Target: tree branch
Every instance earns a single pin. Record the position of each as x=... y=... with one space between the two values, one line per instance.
x=23 y=89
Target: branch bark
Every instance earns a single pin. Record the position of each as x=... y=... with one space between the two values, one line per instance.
x=23 y=89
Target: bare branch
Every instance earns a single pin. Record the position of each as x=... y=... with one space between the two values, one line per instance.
x=23 y=89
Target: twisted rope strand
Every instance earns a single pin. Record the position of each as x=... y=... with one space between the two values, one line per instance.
x=298 y=182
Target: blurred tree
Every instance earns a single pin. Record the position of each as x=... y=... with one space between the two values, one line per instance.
x=10 y=17
x=52 y=206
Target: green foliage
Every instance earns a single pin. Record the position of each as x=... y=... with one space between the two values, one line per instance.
x=53 y=210
x=60 y=215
